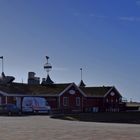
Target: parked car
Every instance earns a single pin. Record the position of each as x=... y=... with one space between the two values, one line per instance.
x=9 y=109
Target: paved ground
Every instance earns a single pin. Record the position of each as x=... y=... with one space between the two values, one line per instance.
x=45 y=128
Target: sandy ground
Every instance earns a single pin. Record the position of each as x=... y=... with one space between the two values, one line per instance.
x=45 y=128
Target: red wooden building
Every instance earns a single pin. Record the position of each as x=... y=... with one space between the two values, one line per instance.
x=65 y=97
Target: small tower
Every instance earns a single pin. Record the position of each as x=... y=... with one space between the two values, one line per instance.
x=81 y=84
x=48 y=68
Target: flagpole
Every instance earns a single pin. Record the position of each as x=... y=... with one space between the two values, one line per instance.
x=1 y=57
x=2 y=66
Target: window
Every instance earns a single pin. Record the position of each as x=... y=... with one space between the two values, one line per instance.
x=77 y=101
x=107 y=100
x=65 y=101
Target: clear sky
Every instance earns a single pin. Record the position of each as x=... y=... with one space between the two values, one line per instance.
x=101 y=36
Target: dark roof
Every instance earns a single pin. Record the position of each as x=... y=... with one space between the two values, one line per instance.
x=95 y=91
x=48 y=90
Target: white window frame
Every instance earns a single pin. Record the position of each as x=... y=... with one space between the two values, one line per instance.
x=78 y=101
x=65 y=101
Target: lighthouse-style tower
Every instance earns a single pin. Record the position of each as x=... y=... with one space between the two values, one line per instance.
x=48 y=68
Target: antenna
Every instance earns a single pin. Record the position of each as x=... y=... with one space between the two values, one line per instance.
x=22 y=80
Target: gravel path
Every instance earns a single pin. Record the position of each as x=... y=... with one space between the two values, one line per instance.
x=45 y=128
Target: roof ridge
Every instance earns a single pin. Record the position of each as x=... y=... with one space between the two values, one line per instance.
x=98 y=86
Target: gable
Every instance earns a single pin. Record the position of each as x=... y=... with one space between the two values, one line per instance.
x=113 y=92
x=72 y=89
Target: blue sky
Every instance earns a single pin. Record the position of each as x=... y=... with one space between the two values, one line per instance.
x=101 y=36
